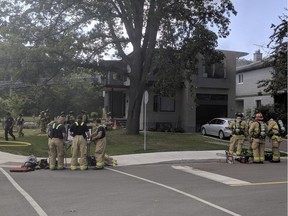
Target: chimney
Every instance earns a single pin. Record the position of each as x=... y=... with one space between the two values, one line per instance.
x=257 y=56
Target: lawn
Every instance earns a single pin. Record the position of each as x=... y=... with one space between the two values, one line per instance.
x=118 y=142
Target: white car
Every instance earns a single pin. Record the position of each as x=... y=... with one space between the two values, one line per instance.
x=217 y=127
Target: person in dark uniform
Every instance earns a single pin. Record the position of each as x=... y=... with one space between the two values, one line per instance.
x=99 y=137
x=57 y=135
x=9 y=123
x=80 y=132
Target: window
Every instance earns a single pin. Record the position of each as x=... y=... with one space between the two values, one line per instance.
x=258 y=103
x=163 y=104
x=240 y=78
x=217 y=70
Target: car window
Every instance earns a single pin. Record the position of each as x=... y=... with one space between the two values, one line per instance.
x=221 y=121
x=213 y=121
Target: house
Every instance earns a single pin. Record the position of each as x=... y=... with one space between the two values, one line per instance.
x=213 y=96
x=248 y=95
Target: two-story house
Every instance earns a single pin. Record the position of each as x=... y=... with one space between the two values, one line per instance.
x=248 y=95
x=213 y=96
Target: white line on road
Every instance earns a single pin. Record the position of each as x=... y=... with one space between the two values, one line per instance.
x=212 y=176
x=31 y=201
x=179 y=191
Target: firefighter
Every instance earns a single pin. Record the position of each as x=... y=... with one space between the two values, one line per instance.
x=238 y=128
x=57 y=135
x=9 y=124
x=42 y=122
x=99 y=137
x=258 y=131
x=70 y=119
x=273 y=132
x=80 y=132
x=249 y=138
x=85 y=117
x=20 y=124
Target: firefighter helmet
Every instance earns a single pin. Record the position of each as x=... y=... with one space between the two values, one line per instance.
x=238 y=114
x=259 y=116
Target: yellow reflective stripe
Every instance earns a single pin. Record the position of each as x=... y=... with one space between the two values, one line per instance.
x=80 y=124
x=73 y=167
x=56 y=127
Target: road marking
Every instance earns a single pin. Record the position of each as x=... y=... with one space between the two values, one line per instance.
x=262 y=183
x=212 y=176
x=178 y=191
x=31 y=201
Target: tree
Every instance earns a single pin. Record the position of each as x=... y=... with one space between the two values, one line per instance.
x=79 y=33
x=278 y=43
x=242 y=62
x=13 y=104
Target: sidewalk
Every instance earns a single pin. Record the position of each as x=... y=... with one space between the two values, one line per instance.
x=11 y=160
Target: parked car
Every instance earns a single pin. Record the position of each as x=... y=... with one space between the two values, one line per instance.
x=217 y=127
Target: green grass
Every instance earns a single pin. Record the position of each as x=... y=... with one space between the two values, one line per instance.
x=118 y=143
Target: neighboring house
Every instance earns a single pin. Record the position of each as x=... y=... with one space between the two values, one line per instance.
x=213 y=96
x=248 y=95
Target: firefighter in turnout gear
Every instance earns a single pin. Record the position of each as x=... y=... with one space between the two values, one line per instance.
x=99 y=137
x=273 y=132
x=70 y=119
x=80 y=132
x=249 y=138
x=58 y=134
x=238 y=128
x=20 y=124
x=258 y=131
x=42 y=122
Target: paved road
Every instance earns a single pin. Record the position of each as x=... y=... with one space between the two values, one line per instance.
x=164 y=189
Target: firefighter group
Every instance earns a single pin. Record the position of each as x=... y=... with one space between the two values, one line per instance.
x=59 y=130
x=255 y=130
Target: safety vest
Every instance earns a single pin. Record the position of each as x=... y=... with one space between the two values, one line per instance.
x=77 y=124
x=55 y=132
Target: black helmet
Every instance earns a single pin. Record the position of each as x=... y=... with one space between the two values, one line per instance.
x=238 y=114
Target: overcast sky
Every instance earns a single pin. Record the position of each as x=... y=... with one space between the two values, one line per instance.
x=252 y=25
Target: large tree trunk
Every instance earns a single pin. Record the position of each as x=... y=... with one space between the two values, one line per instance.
x=134 y=109
x=135 y=93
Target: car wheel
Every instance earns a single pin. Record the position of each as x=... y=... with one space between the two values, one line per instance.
x=221 y=135
x=203 y=131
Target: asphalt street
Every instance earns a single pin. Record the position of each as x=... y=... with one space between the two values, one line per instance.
x=163 y=189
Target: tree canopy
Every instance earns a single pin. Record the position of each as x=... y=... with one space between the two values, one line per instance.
x=278 y=43
x=61 y=36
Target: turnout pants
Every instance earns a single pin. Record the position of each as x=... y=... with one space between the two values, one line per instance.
x=79 y=147
x=100 y=152
x=275 y=147
x=56 y=148
x=236 y=140
x=258 y=146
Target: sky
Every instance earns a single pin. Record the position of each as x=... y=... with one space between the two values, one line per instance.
x=250 y=28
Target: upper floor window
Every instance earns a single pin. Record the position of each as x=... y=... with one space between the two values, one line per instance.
x=258 y=103
x=163 y=104
x=217 y=70
x=240 y=78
